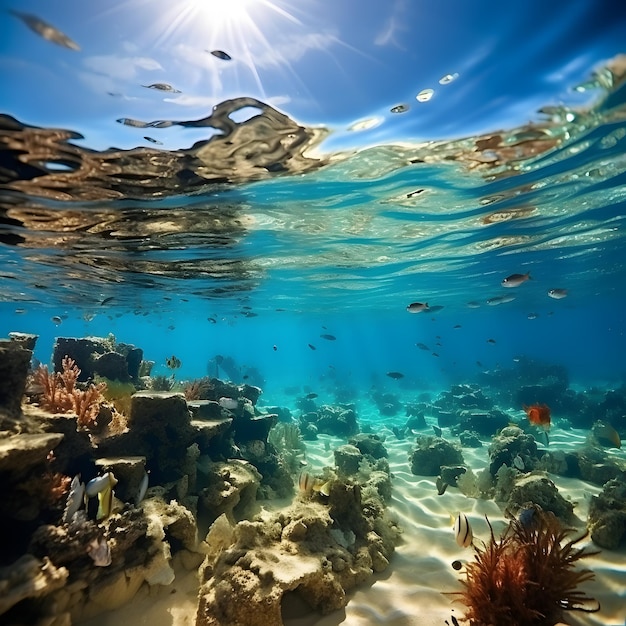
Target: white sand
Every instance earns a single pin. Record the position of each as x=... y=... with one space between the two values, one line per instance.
x=412 y=591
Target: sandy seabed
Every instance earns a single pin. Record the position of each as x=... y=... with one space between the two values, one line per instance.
x=413 y=590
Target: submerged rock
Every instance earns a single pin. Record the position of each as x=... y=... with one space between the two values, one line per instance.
x=431 y=454
x=540 y=490
x=309 y=551
x=14 y=364
x=510 y=443
x=607 y=516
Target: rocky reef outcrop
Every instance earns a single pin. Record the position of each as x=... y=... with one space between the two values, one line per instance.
x=607 y=516
x=315 y=550
x=431 y=454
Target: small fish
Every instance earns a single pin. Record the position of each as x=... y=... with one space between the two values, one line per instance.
x=45 y=30
x=328 y=337
x=228 y=403
x=162 y=87
x=56 y=319
x=532 y=316
x=105 y=495
x=557 y=294
x=441 y=486
x=99 y=484
x=417 y=307
x=100 y=552
x=220 y=54
x=143 y=487
x=457 y=565
x=437 y=430
x=500 y=300
x=422 y=346
x=491 y=341
x=128 y=121
x=311 y=396
x=312 y=346
x=538 y=414
x=274 y=347
x=526 y=516
x=463 y=531
x=107 y=300
x=606 y=435
x=518 y=462
x=435 y=354
x=308 y=484
x=473 y=304
x=395 y=375
x=171 y=327
x=75 y=499
x=400 y=108
x=414 y=193
x=212 y=320
x=515 y=280
x=457 y=326
x=173 y=362
x=152 y=140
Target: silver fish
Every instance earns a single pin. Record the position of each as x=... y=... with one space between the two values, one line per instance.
x=45 y=30
x=143 y=487
x=557 y=294
x=518 y=462
x=500 y=300
x=99 y=484
x=515 y=280
x=417 y=307
x=75 y=499
x=162 y=87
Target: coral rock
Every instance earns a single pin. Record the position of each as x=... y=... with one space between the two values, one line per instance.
x=14 y=365
x=607 y=516
x=431 y=453
x=29 y=577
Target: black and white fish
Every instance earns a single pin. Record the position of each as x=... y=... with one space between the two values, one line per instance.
x=518 y=463
x=463 y=531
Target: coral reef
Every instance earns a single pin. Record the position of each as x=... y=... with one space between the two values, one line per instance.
x=59 y=393
x=338 y=420
x=317 y=551
x=526 y=577
x=431 y=454
x=539 y=490
x=509 y=443
x=607 y=516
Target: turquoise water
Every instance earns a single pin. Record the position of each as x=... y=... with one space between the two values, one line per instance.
x=283 y=180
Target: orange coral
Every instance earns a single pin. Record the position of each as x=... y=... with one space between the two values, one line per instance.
x=526 y=578
x=60 y=395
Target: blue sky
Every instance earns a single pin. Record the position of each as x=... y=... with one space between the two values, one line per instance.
x=321 y=62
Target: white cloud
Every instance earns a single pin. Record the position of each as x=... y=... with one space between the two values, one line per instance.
x=121 y=68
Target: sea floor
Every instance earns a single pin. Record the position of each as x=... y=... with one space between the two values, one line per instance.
x=414 y=590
